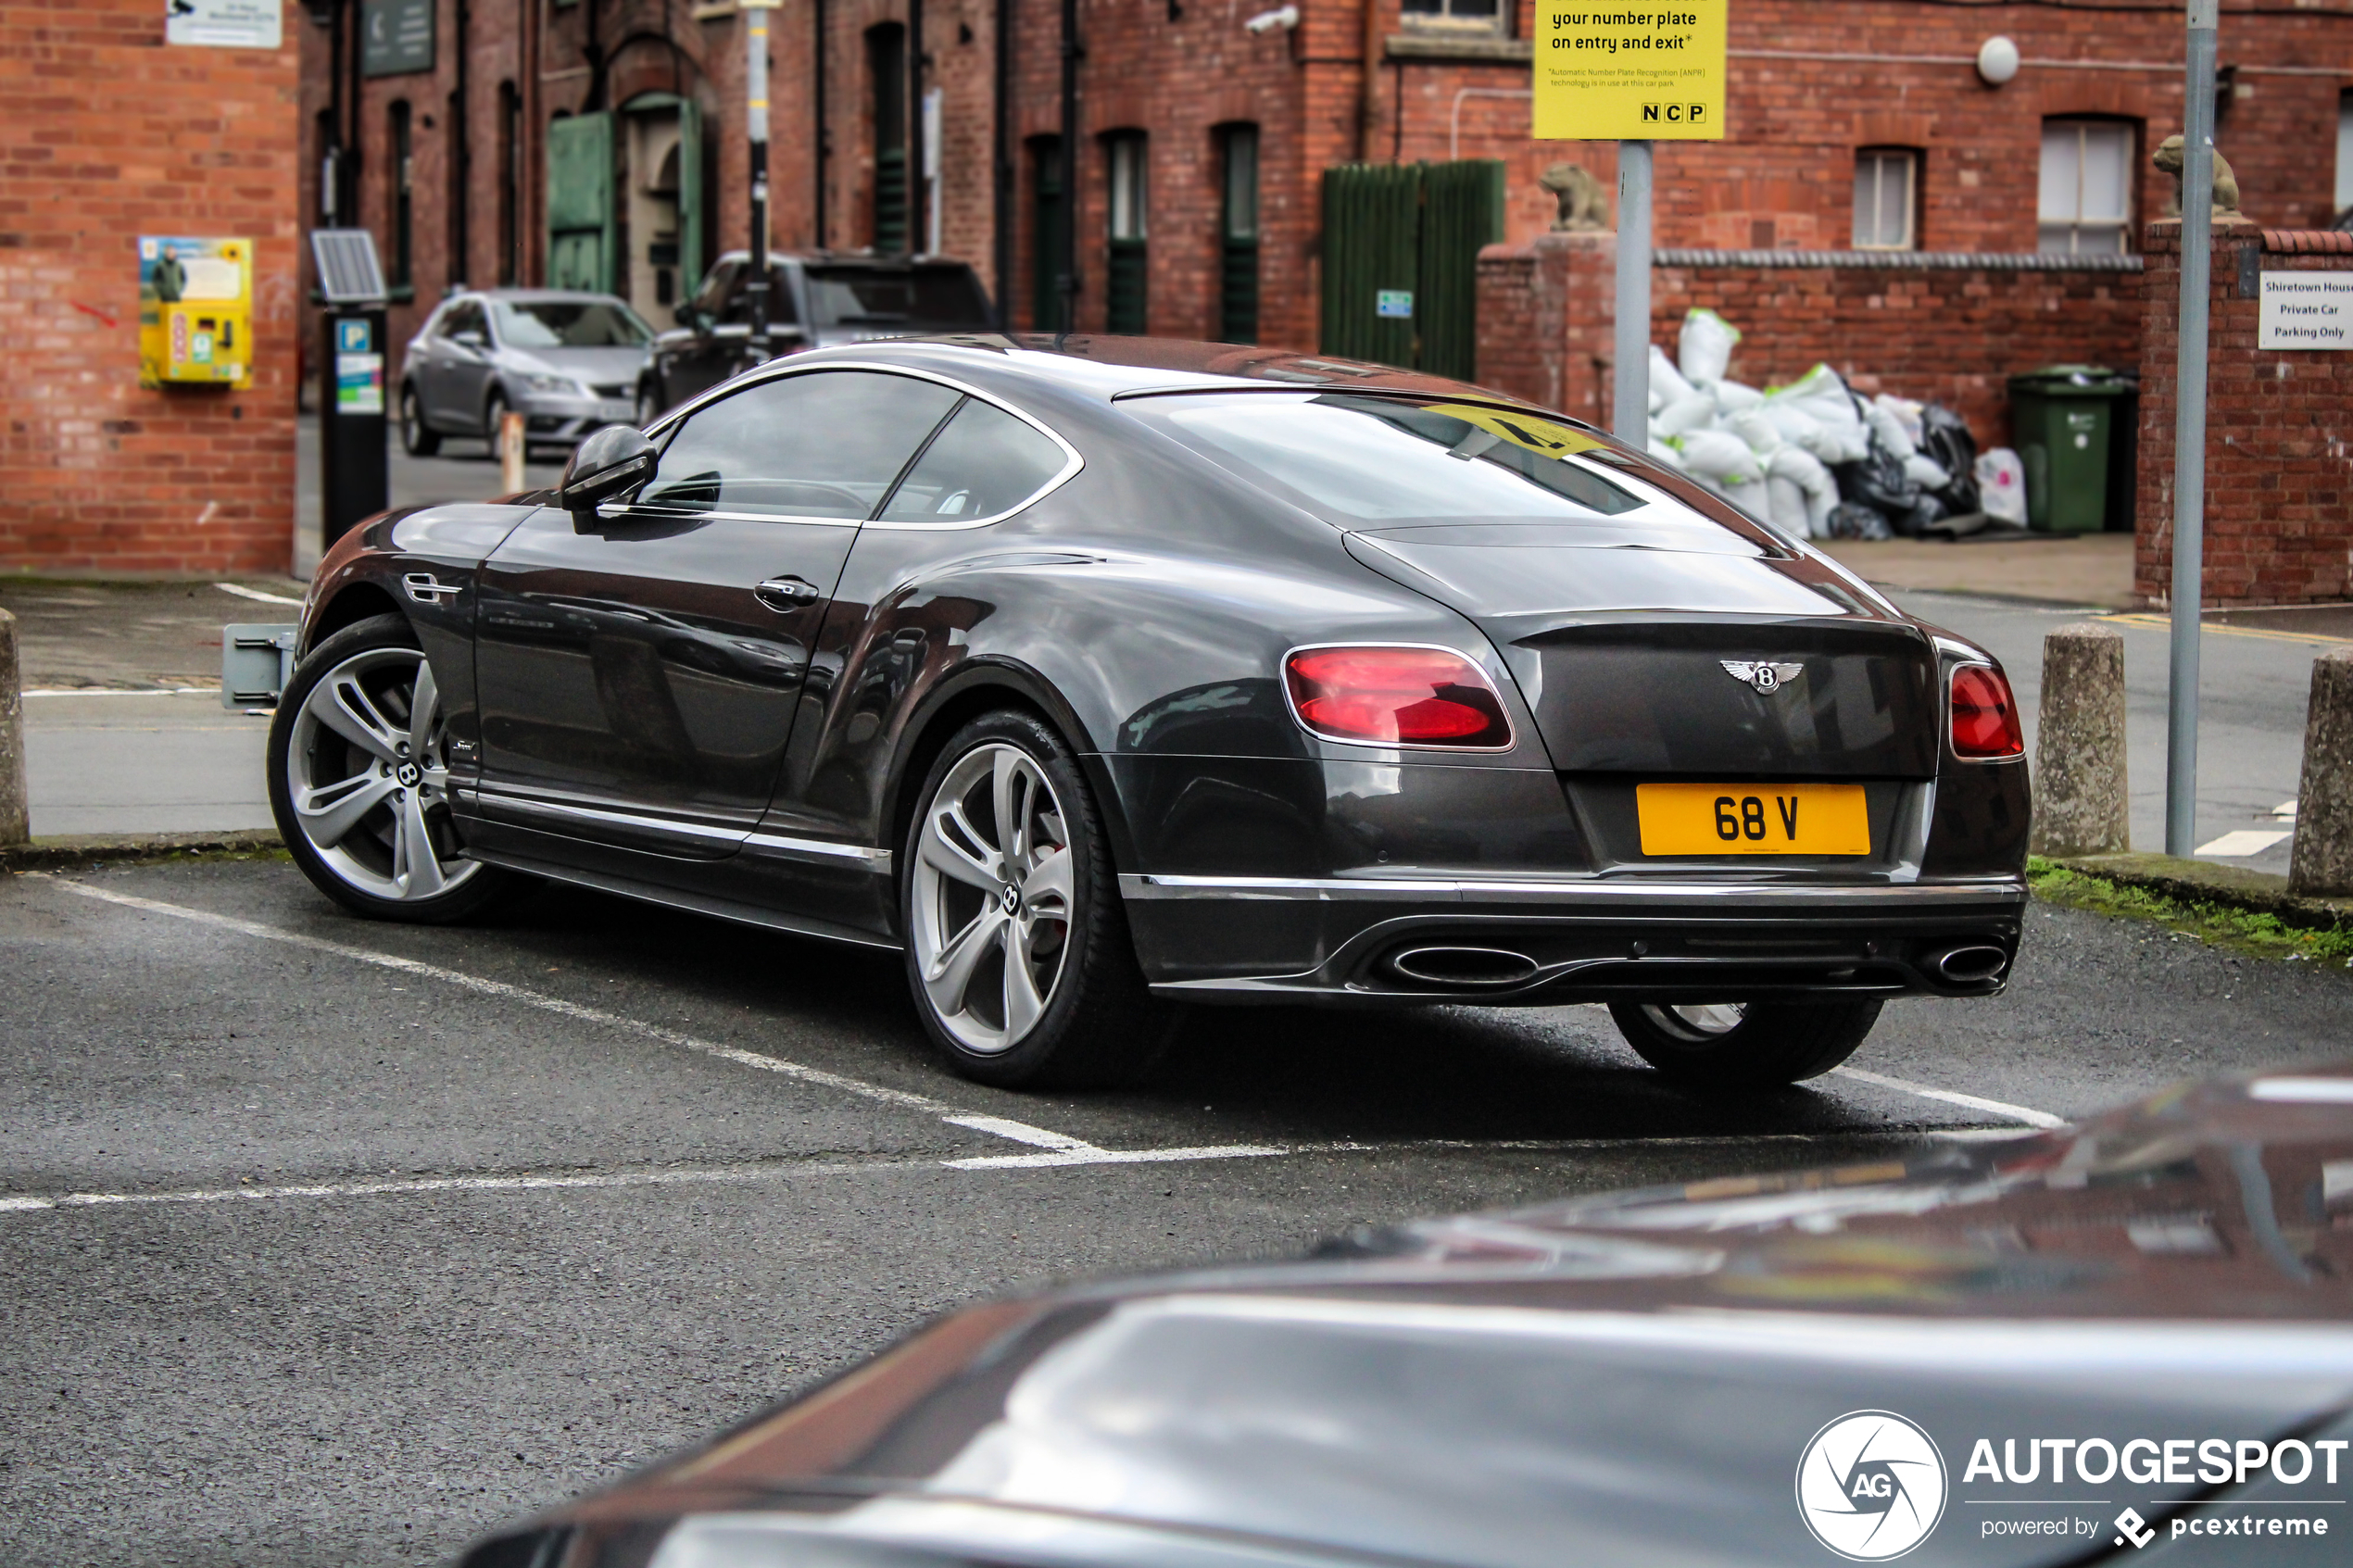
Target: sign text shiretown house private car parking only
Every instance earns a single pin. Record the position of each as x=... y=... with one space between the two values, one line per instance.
x=1630 y=76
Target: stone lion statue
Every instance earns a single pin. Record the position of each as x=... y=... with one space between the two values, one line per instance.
x=1584 y=206
x=2226 y=184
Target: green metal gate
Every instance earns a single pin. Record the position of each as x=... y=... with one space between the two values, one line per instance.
x=581 y=233
x=1401 y=261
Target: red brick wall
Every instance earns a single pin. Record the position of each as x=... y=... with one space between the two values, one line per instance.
x=2279 y=434
x=109 y=133
x=1950 y=334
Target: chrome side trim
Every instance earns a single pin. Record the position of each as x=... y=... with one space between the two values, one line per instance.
x=821 y=851
x=1874 y=896
x=565 y=811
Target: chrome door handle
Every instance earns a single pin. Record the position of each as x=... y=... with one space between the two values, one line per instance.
x=786 y=593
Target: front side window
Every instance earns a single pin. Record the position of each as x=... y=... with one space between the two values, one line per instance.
x=826 y=445
x=1455 y=15
x=1886 y=195
x=463 y=317
x=2085 y=200
x=569 y=323
x=984 y=464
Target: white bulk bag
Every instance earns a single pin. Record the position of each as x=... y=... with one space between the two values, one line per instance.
x=1667 y=381
x=1792 y=472
x=1704 y=352
x=1694 y=410
x=2001 y=485
x=1926 y=471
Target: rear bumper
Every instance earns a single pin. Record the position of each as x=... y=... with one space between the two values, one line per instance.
x=1548 y=941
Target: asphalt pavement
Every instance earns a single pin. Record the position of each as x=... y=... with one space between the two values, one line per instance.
x=335 y=1242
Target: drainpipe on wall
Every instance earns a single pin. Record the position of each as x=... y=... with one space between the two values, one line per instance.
x=1066 y=281
x=461 y=154
x=1001 y=164
x=817 y=107
x=915 y=214
x=1368 y=120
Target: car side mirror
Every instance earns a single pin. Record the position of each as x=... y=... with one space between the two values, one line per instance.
x=469 y=339
x=613 y=463
x=685 y=313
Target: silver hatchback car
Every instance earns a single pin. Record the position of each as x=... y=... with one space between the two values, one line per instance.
x=568 y=361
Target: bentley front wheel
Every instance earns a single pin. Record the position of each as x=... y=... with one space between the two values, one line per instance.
x=1017 y=949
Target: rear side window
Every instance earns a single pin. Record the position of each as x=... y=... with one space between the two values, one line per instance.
x=825 y=445
x=984 y=464
x=1390 y=459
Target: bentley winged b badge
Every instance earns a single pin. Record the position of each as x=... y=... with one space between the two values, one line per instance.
x=1766 y=678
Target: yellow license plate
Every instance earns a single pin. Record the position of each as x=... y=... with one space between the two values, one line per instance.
x=1708 y=818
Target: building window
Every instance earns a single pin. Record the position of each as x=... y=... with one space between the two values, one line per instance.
x=1045 y=234
x=1887 y=182
x=2344 y=157
x=886 y=64
x=1455 y=15
x=2086 y=207
x=1238 y=237
x=509 y=184
x=1126 y=270
x=404 y=226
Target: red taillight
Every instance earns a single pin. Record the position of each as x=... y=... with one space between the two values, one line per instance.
x=1984 y=715
x=1396 y=696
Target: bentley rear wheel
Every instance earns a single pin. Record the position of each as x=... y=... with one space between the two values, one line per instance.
x=1017 y=948
x=360 y=781
x=1731 y=1046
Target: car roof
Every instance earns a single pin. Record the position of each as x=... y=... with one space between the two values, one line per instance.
x=847 y=258
x=1109 y=365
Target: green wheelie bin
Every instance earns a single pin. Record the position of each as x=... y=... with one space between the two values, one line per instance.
x=2063 y=418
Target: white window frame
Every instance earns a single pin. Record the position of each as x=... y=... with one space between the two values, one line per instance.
x=1872 y=198
x=1444 y=20
x=2344 y=152
x=2061 y=224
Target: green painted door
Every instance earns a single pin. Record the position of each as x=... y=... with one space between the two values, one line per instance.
x=692 y=263
x=1401 y=261
x=581 y=239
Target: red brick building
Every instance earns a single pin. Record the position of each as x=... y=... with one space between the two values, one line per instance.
x=109 y=132
x=1230 y=131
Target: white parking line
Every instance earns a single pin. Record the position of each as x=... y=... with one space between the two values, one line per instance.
x=1061 y=1148
x=779 y=1170
x=1953 y=1097
x=996 y=1126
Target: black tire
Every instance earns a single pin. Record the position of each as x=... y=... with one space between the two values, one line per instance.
x=648 y=406
x=362 y=867
x=1099 y=1024
x=494 y=408
x=1771 y=1044
x=417 y=438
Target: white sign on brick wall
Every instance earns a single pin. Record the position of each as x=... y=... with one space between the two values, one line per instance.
x=223 y=24
x=2305 y=310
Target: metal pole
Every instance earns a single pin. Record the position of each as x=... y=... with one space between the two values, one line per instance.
x=817 y=112
x=755 y=15
x=2189 y=433
x=915 y=214
x=1066 y=278
x=1001 y=164
x=1629 y=416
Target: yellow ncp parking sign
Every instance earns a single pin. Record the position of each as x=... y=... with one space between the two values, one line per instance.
x=1630 y=76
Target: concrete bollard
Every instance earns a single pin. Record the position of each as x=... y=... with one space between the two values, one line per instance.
x=2081 y=805
x=2321 y=861
x=16 y=821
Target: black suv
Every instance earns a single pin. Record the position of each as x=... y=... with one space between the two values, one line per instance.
x=814 y=301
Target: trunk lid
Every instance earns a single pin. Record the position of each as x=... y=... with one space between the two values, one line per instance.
x=1636 y=644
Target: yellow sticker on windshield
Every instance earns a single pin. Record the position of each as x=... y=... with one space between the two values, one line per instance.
x=1547 y=438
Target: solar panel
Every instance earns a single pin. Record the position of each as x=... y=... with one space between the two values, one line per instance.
x=348 y=273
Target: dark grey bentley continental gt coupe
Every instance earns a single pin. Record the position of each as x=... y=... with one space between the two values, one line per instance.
x=1099 y=674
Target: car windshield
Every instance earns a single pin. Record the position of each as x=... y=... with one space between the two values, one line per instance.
x=1386 y=459
x=570 y=323
x=946 y=297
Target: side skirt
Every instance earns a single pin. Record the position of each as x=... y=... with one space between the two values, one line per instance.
x=677 y=899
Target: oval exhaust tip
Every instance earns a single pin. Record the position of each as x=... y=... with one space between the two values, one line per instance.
x=1468 y=968
x=1971 y=965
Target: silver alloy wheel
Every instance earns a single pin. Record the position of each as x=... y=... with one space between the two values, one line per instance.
x=1698 y=1024
x=369 y=781
x=992 y=893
